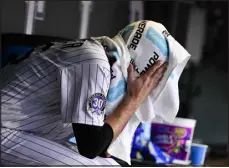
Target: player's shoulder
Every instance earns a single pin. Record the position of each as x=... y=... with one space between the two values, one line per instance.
x=87 y=44
x=90 y=47
x=83 y=51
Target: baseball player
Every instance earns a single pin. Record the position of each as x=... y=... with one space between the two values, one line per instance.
x=59 y=90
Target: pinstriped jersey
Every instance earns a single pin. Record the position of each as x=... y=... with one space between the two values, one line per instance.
x=52 y=88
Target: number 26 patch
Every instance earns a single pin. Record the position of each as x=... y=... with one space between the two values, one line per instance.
x=97 y=103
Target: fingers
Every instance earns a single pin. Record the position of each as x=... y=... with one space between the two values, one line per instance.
x=160 y=71
x=157 y=76
x=130 y=73
x=153 y=68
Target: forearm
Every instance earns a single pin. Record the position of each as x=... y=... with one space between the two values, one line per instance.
x=138 y=90
x=120 y=117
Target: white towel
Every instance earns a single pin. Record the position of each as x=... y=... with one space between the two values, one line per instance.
x=143 y=43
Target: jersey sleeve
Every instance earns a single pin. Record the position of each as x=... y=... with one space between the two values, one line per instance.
x=84 y=89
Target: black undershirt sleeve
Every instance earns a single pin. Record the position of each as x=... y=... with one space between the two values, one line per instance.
x=92 y=140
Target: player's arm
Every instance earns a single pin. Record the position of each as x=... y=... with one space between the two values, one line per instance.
x=83 y=91
x=96 y=140
x=84 y=88
x=138 y=89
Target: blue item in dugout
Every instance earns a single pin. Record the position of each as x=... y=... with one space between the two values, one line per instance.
x=148 y=149
x=73 y=140
x=198 y=154
x=142 y=146
x=158 y=154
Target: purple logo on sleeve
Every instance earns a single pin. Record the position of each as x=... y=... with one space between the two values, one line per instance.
x=97 y=103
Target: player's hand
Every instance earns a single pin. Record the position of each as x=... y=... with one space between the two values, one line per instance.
x=138 y=88
x=137 y=91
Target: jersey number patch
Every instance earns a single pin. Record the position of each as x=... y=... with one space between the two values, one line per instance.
x=97 y=103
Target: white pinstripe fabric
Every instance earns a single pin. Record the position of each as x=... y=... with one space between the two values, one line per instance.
x=47 y=92
x=19 y=148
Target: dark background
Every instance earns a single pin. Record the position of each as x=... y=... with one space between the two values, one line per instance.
x=200 y=26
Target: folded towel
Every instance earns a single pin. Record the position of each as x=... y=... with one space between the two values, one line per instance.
x=143 y=43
